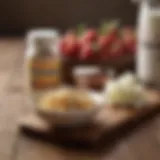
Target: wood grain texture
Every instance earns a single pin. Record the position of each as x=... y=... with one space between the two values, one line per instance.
x=10 y=49
x=19 y=15
x=143 y=143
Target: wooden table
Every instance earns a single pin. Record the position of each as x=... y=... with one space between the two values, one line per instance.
x=142 y=144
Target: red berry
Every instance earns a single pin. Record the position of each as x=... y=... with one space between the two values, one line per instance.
x=117 y=49
x=130 y=46
x=86 y=51
x=69 y=44
x=102 y=42
x=90 y=35
x=106 y=41
x=129 y=39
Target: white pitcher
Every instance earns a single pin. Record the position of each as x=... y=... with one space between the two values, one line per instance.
x=148 y=51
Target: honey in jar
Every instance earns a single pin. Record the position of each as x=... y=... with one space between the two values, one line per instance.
x=43 y=63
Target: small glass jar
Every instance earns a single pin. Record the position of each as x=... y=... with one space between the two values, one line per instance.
x=43 y=62
x=90 y=77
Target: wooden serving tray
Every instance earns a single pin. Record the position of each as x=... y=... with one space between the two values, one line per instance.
x=109 y=125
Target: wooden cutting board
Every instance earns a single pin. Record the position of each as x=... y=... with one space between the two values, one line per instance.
x=110 y=124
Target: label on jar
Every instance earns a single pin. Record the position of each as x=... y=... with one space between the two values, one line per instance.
x=44 y=72
x=149 y=53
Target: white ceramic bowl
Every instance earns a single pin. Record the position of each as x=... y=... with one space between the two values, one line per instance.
x=73 y=117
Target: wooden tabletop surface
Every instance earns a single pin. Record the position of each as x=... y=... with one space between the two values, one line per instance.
x=142 y=144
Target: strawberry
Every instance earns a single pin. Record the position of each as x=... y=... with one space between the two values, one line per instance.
x=69 y=44
x=130 y=45
x=113 y=29
x=106 y=41
x=90 y=35
x=117 y=49
x=109 y=37
x=102 y=42
x=129 y=39
x=86 y=51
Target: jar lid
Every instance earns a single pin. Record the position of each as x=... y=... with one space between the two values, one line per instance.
x=86 y=70
x=43 y=39
x=40 y=37
x=42 y=33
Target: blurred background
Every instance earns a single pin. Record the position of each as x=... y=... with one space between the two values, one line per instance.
x=17 y=16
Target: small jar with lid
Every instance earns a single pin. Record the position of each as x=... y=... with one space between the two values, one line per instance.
x=90 y=77
x=43 y=62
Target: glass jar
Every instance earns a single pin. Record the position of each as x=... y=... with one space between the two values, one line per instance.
x=43 y=62
x=89 y=77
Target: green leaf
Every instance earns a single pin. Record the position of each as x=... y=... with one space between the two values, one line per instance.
x=81 y=28
x=103 y=28
x=106 y=26
x=113 y=24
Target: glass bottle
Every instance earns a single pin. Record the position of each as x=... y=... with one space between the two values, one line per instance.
x=43 y=62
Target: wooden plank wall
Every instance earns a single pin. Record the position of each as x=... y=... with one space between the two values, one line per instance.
x=19 y=15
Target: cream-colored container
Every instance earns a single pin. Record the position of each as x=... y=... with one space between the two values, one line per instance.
x=42 y=62
x=148 y=53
